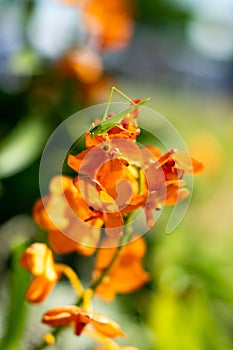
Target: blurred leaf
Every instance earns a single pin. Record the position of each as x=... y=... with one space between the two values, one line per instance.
x=186 y=323
x=78 y=146
x=22 y=146
x=194 y=290
x=1 y=189
x=18 y=283
x=162 y=12
x=25 y=62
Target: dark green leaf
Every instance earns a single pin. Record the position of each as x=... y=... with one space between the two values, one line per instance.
x=17 y=311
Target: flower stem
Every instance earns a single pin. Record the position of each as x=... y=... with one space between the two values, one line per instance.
x=72 y=276
x=87 y=304
x=78 y=286
x=125 y=239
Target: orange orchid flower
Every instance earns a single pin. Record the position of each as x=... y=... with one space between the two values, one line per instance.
x=86 y=64
x=161 y=176
x=38 y=259
x=165 y=180
x=121 y=158
x=89 y=161
x=109 y=23
x=124 y=188
x=115 y=153
x=67 y=315
x=106 y=342
x=127 y=273
x=174 y=165
x=102 y=203
x=72 y=225
x=63 y=245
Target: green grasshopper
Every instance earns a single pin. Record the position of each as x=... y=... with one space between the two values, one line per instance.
x=108 y=124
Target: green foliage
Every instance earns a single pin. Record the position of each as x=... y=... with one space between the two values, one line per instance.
x=162 y=12
x=18 y=281
x=22 y=146
x=188 y=309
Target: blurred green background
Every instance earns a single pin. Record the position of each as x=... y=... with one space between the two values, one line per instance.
x=181 y=55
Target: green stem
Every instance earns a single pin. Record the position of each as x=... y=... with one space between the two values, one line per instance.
x=125 y=239
x=97 y=282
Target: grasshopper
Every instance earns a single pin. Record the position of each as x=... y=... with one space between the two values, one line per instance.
x=108 y=124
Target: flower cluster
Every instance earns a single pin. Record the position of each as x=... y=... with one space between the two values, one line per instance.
x=107 y=26
x=92 y=214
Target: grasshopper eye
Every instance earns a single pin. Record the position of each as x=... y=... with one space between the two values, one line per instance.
x=106 y=148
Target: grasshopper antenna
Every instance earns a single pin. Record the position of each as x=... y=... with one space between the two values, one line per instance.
x=114 y=89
